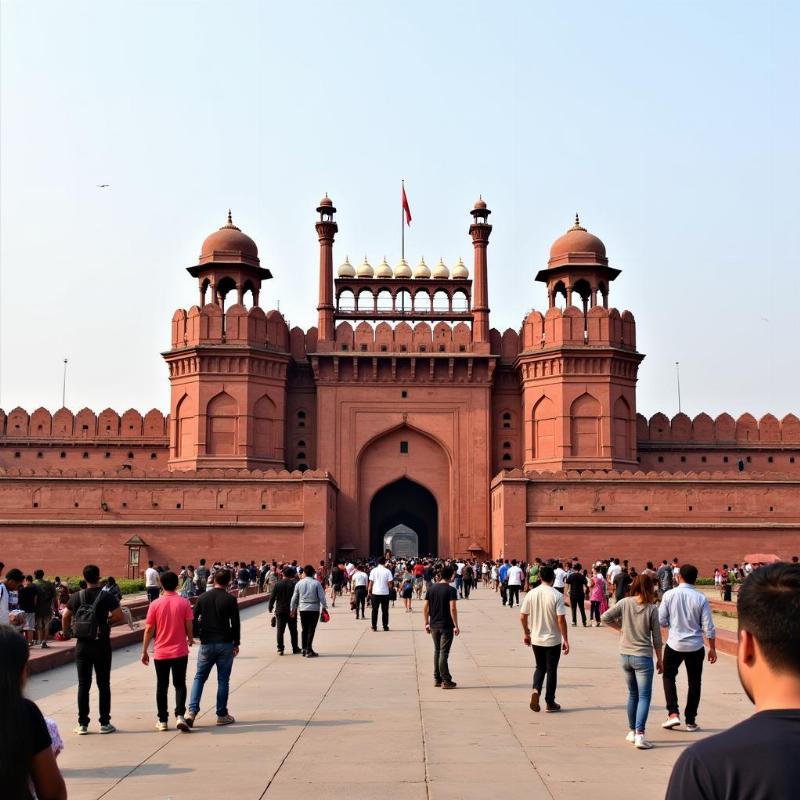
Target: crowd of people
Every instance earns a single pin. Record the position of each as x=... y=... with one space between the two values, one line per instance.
x=201 y=603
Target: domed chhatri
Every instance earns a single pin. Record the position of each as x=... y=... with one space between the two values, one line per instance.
x=460 y=270
x=326 y=201
x=384 y=270
x=402 y=270
x=347 y=270
x=576 y=246
x=422 y=270
x=480 y=203
x=365 y=269
x=440 y=271
x=229 y=245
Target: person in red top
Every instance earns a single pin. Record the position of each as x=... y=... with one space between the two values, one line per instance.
x=169 y=620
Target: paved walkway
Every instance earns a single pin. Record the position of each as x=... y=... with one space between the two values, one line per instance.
x=365 y=721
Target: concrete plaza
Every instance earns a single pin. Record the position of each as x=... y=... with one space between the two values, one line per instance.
x=365 y=721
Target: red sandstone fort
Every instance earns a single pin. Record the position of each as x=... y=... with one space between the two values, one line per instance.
x=401 y=414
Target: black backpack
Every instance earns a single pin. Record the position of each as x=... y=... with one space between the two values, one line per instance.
x=84 y=622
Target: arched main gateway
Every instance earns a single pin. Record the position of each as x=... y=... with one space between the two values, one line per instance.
x=404 y=503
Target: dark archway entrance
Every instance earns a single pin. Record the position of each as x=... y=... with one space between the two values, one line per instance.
x=404 y=503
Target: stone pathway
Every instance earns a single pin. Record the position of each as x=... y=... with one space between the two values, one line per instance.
x=365 y=721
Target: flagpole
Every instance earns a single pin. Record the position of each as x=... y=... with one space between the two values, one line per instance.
x=402 y=223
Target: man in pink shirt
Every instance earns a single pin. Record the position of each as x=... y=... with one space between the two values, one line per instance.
x=169 y=620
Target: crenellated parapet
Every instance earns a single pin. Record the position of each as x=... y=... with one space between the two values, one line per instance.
x=237 y=325
x=743 y=430
x=86 y=425
x=570 y=327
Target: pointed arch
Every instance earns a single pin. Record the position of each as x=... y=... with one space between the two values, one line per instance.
x=221 y=416
x=622 y=429
x=585 y=426
x=184 y=433
x=264 y=427
x=544 y=428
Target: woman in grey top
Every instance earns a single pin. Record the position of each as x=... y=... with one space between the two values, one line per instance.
x=641 y=635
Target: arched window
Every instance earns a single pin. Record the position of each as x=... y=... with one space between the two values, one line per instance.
x=346 y=301
x=441 y=302
x=506 y=445
x=301 y=443
x=460 y=301
x=585 y=427
x=506 y=456
x=422 y=302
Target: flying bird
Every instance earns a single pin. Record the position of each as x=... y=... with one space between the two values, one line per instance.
x=103 y=185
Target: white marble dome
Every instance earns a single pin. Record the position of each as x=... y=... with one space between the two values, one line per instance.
x=402 y=270
x=460 y=270
x=346 y=270
x=384 y=270
x=440 y=271
x=365 y=269
x=422 y=270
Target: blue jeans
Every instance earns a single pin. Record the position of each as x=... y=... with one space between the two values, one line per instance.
x=639 y=676
x=211 y=654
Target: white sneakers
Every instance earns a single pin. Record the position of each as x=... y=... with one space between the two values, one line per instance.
x=671 y=722
x=692 y=727
x=162 y=726
x=181 y=723
x=640 y=743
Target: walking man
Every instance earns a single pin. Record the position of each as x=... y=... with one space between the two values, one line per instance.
x=360 y=581
x=93 y=611
x=514 y=577
x=280 y=600
x=151 y=582
x=169 y=622
x=577 y=583
x=309 y=599
x=757 y=757
x=45 y=606
x=380 y=585
x=441 y=622
x=544 y=628
x=216 y=615
x=685 y=611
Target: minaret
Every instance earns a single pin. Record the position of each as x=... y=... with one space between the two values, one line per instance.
x=326 y=230
x=480 y=231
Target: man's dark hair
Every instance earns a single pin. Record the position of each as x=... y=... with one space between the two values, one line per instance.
x=689 y=573
x=447 y=573
x=547 y=574
x=149 y=563
x=513 y=562
x=308 y=571
x=769 y=609
x=91 y=573
x=169 y=580
x=222 y=577
x=577 y=567
x=664 y=562
x=202 y=562
x=381 y=560
x=649 y=565
x=616 y=561
x=38 y=574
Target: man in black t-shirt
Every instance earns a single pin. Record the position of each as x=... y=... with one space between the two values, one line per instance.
x=94 y=655
x=577 y=581
x=441 y=622
x=756 y=759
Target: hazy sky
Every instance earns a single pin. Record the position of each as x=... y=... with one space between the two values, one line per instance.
x=673 y=128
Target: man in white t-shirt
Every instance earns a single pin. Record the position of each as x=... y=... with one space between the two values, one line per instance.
x=614 y=569
x=544 y=627
x=379 y=587
x=514 y=578
x=359 y=583
x=560 y=579
x=152 y=582
x=13 y=581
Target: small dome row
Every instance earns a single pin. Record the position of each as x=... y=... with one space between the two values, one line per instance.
x=402 y=270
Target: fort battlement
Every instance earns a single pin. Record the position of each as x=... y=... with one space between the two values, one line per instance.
x=571 y=327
